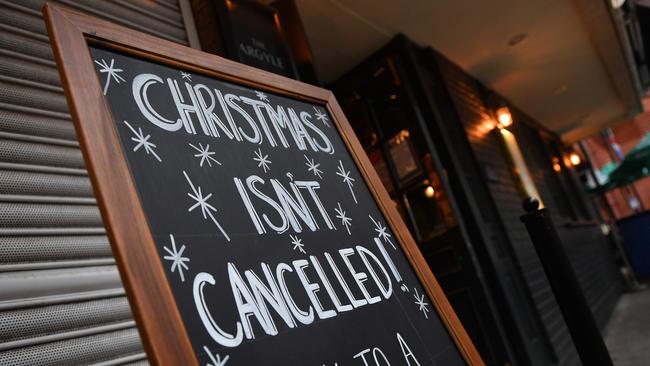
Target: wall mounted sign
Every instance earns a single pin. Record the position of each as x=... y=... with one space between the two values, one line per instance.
x=252 y=35
x=247 y=223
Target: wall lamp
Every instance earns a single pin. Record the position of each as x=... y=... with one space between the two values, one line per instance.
x=499 y=119
x=497 y=116
x=429 y=192
x=504 y=117
x=572 y=159
x=556 y=164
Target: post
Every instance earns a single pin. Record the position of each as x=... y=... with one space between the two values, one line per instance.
x=564 y=283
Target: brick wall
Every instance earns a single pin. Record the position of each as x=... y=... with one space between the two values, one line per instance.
x=627 y=135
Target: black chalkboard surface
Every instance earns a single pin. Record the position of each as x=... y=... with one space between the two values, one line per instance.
x=275 y=249
x=246 y=221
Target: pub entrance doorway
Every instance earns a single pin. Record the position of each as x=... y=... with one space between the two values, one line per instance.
x=380 y=104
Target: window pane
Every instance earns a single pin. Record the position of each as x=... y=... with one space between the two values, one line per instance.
x=403 y=156
x=426 y=212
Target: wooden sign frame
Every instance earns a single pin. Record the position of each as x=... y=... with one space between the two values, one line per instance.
x=157 y=317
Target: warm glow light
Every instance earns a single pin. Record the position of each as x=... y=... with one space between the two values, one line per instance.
x=504 y=117
x=518 y=165
x=574 y=158
x=429 y=192
x=557 y=167
x=402 y=136
x=488 y=125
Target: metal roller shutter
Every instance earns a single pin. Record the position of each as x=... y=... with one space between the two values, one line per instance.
x=61 y=299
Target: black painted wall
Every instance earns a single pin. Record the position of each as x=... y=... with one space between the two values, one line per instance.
x=453 y=107
x=586 y=246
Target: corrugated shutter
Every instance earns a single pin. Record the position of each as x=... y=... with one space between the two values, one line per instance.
x=61 y=299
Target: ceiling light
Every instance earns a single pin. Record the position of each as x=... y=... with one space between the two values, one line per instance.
x=517 y=39
x=560 y=89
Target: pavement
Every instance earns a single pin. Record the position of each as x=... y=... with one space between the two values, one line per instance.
x=627 y=334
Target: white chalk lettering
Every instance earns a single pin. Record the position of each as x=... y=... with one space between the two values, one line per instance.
x=140 y=87
x=197 y=104
x=219 y=335
x=406 y=351
x=255 y=298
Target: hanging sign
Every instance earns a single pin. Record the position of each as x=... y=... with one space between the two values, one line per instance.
x=247 y=223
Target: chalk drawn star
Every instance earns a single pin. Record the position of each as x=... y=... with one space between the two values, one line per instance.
x=261 y=96
x=205 y=154
x=201 y=201
x=346 y=179
x=176 y=256
x=142 y=140
x=297 y=244
x=422 y=305
x=263 y=160
x=216 y=358
x=321 y=116
x=382 y=231
x=186 y=75
x=345 y=221
x=313 y=167
x=111 y=73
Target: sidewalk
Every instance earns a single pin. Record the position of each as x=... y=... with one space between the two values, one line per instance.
x=627 y=334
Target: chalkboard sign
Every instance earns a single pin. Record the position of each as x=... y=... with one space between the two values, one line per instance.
x=247 y=223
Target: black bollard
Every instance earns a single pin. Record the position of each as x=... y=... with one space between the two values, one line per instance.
x=568 y=293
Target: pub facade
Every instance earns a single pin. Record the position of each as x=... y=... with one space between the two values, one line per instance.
x=432 y=132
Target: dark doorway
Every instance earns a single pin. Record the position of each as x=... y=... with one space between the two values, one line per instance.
x=379 y=103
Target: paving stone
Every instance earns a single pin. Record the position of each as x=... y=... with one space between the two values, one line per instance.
x=627 y=334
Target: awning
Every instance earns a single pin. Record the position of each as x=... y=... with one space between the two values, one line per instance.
x=635 y=165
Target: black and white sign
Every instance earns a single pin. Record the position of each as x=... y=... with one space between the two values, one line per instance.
x=253 y=36
x=274 y=247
